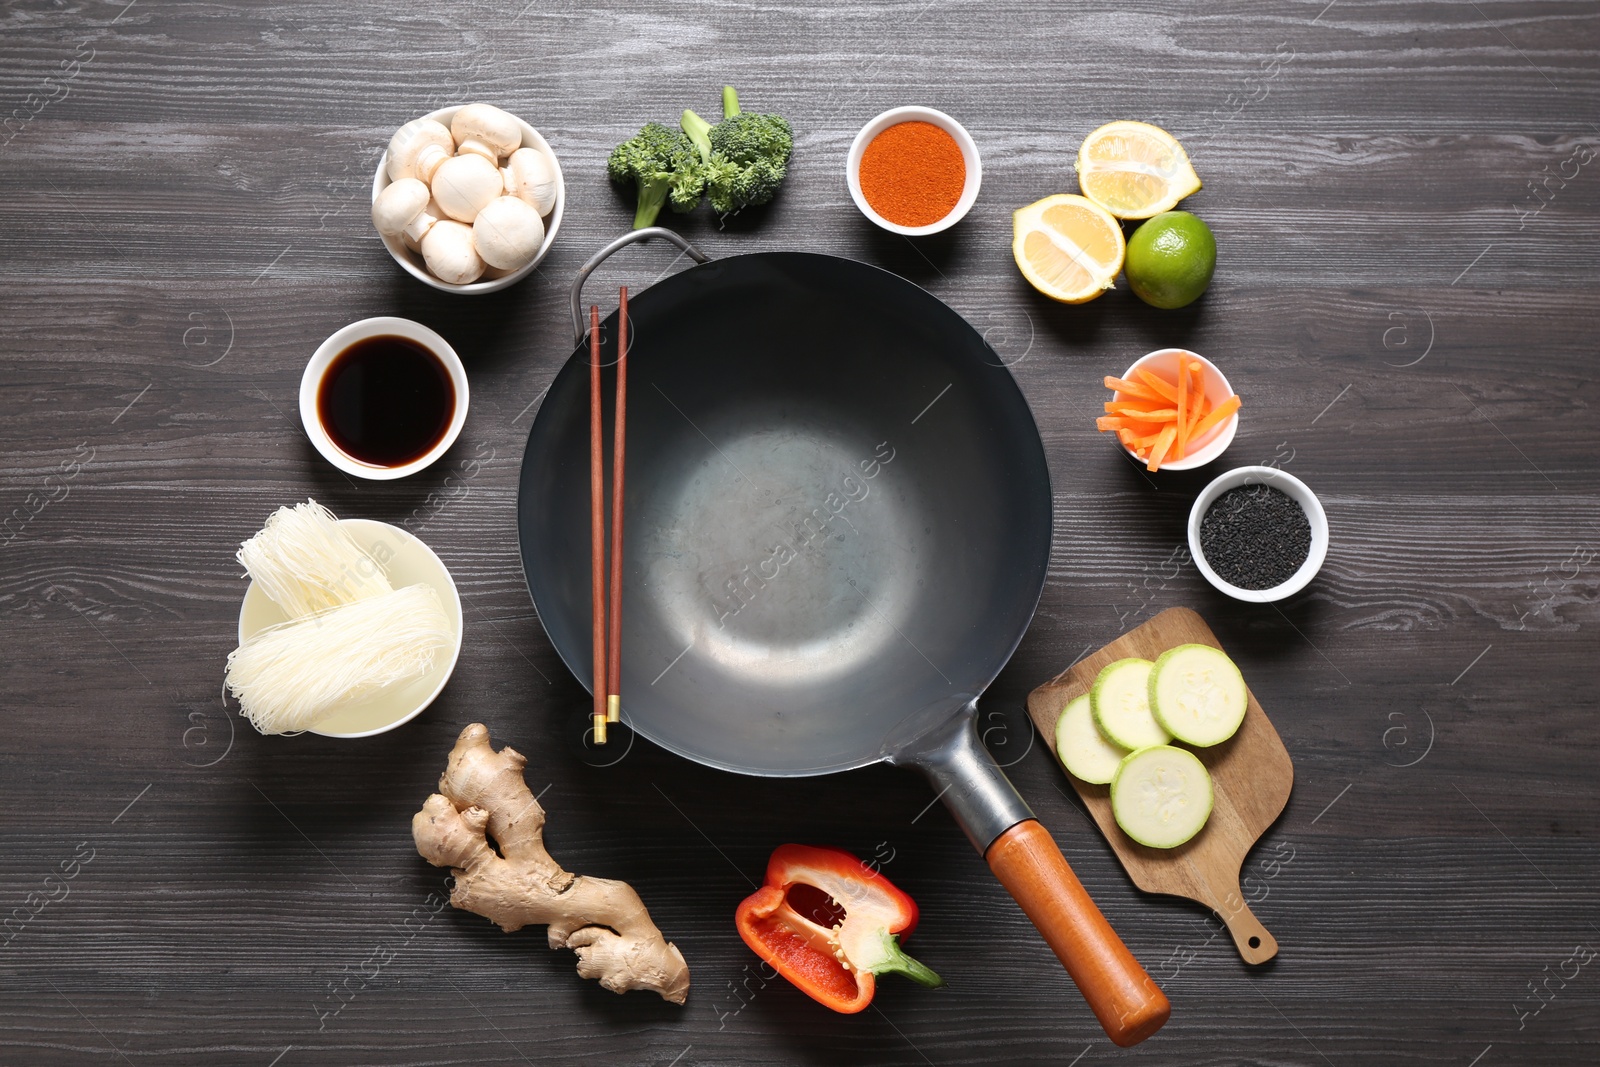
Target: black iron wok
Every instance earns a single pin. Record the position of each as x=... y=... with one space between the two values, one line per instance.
x=838 y=521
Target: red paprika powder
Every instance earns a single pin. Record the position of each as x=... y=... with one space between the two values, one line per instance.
x=913 y=173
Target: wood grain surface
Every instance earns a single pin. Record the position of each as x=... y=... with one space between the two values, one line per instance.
x=1406 y=199
x=1251 y=778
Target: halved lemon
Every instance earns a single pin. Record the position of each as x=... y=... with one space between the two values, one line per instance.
x=1068 y=247
x=1134 y=170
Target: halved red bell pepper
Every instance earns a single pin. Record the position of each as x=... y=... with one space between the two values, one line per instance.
x=829 y=924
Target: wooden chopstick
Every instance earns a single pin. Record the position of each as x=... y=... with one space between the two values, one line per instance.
x=614 y=689
x=597 y=489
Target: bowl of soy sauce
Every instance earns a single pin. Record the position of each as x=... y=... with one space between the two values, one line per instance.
x=383 y=398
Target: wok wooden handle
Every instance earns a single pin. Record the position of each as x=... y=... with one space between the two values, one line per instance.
x=1029 y=864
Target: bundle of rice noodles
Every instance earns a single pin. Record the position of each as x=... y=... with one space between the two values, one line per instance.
x=291 y=676
x=350 y=634
x=306 y=562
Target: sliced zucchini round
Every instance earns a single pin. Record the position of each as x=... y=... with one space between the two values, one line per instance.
x=1161 y=796
x=1120 y=700
x=1082 y=749
x=1198 y=694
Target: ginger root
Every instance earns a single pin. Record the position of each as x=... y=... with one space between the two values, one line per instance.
x=603 y=921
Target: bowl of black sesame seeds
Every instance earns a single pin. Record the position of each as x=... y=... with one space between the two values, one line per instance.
x=1258 y=534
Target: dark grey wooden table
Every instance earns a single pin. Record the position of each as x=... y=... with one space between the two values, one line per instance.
x=1407 y=203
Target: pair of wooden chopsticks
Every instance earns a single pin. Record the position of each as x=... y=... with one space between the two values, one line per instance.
x=607 y=668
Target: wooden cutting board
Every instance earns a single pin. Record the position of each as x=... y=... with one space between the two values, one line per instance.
x=1251 y=777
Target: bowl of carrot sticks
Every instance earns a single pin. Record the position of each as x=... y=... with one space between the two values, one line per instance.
x=1172 y=410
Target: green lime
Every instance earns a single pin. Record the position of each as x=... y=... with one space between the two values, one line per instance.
x=1170 y=259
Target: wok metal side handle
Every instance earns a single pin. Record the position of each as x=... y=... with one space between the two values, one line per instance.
x=578 y=328
x=1028 y=862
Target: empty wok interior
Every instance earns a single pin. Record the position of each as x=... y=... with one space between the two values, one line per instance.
x=838 y=512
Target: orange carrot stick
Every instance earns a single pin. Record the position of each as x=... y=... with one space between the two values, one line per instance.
x=1217 y=415
x=1197 y=390
x=1136 y=442
x=1183 y=412
x=1139 y=402
x=1125 y=422
x=1132 y=389
x=1134 y=411
x=1158 y=383
x=1158 y=451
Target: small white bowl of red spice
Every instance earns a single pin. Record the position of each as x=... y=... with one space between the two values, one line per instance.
x=914 y=171
x=1173 y=410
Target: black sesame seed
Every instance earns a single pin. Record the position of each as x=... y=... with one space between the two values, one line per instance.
x=1255 y=536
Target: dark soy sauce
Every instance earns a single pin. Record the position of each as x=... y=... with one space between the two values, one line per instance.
x=386 y=401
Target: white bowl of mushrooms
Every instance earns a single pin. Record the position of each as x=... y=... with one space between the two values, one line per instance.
x=468 y=198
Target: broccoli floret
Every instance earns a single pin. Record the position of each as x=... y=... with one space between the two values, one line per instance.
x=689 y=174
x=648 y=160
x=745 y=157
x=711 y=169
x=758 y=145
x=746 y=187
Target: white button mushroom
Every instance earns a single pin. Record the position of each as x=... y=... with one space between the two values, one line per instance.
x=531 y=175
x=417 y=149
x=508 y=233
x=415 y=243
x=447 y=249
x=401 y=210
x=485 y=130
x=464 y=184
